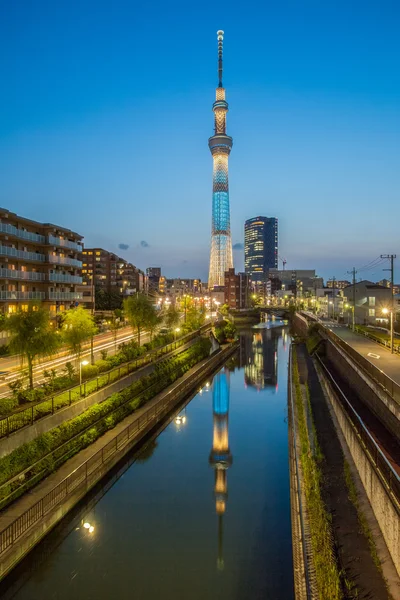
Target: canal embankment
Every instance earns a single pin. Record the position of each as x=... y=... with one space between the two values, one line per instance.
x=28 y=519
x=353 y=547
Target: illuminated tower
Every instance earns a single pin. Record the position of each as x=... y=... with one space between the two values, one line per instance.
x=220 y=146
x=220 y=456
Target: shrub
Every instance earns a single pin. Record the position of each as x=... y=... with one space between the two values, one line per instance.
x=103 y=365
x=89 y=371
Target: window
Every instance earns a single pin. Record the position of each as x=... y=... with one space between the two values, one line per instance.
x=371 y=300
x=371 y=312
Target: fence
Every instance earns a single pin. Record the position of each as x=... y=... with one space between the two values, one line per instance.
x=27 y=416
x=378 y=340
x=91 y=470
x=378 y=459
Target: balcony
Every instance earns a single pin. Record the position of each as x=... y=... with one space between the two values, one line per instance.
x=21 y=254
x=56 y=241
x=65 y=260
x=65 y=295
x=64 y=278
x=22 y=234
x=23 y=275
x=22 y=295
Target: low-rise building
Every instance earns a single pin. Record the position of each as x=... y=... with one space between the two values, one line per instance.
x=301 y=282
x=339 y=284
x=237 y=290
x=38 y=261
x=369 y=299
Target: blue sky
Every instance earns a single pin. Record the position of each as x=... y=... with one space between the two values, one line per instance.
x=105 y=114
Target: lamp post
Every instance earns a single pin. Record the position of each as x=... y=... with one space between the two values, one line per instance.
x=81 y=364
x=385 y=312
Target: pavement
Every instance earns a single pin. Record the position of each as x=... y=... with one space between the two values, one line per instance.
x=375 y=353
x=104 y=341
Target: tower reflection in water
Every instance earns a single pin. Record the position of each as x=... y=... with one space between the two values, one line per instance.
x=220 y=456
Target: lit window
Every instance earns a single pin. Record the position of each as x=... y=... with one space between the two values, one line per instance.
x=371 y=300
x=371 y=312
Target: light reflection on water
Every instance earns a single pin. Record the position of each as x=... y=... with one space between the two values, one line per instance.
x=171 y=526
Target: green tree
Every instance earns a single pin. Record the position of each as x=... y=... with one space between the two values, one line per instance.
x=115 y=326
x=194 y=318
x=32 y=335
x=139 y=311
x=224 y=309
x=172 y=317
x=154 y=321
x=78 y=327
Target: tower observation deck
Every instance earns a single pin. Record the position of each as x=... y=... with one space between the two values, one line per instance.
x=220 y=146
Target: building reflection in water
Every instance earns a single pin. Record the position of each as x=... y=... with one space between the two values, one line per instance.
x=220 y=456
x=259 y=357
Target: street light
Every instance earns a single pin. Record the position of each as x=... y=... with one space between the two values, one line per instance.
x=81 y=364
x=386 y=311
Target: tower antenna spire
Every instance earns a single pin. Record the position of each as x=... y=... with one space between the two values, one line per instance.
x=220 y=35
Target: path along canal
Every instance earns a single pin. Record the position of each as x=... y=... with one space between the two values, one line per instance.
x=203 y=513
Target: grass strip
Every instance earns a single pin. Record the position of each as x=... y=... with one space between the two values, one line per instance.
x=326 y=568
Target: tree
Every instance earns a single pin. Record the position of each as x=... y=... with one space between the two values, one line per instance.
x=154 y=321
x=115 y=325
x=78 y=326
x=172 y=317
x=32 y=335
x=224 y=310
x=194 y=318
x=139 y=312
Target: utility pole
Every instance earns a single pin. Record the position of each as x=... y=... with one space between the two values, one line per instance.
x=93 y=311
x=391 y=257
x=353 y=272
x=333 y=298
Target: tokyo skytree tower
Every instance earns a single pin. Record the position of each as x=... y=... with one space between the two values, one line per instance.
x=220 y=146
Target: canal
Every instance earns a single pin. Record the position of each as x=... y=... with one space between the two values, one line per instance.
x=202 y=513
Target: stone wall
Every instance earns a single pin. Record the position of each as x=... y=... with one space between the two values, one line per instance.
x=384 y=505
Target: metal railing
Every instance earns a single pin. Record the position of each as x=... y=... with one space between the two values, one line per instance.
x=379 y=460
x=64 y=260
x=25 y=417
x=390 y=386
x=305 y=554
x=22 y=295
x=56 y=241
x=24 y=275
x=22 y=234
x=8 y=251
x=65 y=295
x=92 y=469
x=378 y=340
x=65 y=278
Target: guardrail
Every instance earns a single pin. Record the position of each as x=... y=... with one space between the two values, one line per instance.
x=92 y=469
x=390 y=386
x=305 y=557
x=379 y=460
x=378 y=340
x=26 y=416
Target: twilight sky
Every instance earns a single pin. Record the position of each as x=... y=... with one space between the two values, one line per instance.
x=105 y=113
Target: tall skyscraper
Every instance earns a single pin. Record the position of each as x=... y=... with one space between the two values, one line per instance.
x=260 y=247
x=220 y=146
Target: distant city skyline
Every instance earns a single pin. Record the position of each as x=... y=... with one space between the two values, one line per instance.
x=98 y=101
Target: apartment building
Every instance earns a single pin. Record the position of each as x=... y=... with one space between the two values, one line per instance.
x=237 y=289
x=38 y=261
x=105 y=270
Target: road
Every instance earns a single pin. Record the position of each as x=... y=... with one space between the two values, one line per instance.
x=103 y=341
x=376 y=354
